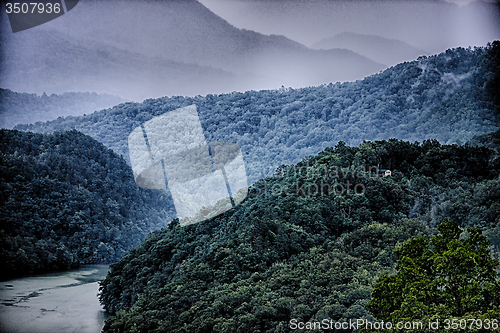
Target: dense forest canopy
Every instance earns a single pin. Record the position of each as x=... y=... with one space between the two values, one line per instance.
x=23 y=108
x=449 y=97
x=67 y=200
x=450 y=278
x=299 y=247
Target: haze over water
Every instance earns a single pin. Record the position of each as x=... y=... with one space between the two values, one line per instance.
x=56 y=303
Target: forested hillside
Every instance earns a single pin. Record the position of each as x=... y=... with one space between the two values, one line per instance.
x=22 y=108
x=67 y=200
x=450 y=97
x=308 y=243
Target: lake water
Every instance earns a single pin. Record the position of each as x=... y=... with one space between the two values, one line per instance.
x=53 y=303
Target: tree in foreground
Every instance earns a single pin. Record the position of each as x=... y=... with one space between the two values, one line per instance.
x=451 y=279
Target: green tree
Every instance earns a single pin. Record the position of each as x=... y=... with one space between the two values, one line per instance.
x=448 y=276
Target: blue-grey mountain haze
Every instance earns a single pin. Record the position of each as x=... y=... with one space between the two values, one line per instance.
x=152 y=49
x=144 y=49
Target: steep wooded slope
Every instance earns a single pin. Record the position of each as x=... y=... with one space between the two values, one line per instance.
x=300 y=246
x=67 y=200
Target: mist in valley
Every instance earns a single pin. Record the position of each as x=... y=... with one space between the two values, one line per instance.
x=148 y=49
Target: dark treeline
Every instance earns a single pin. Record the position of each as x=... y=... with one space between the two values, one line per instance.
x=67 y=200
x=307 y=255
x=450 y=97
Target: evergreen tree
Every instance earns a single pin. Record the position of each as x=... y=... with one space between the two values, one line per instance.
x=448 y=276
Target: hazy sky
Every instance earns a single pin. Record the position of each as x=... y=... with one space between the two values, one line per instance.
x=429 y=25
x=156 y=48
x=459 y=2
x=464 y=2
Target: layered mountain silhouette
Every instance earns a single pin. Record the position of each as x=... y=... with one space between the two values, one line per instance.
x=22 y=108
x=142 y=49
x=430 y=25
x=383 y=50
x=47 y=61
x=449 y=97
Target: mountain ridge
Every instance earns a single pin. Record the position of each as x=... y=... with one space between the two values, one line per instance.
x=23 y=108
x=67 y=200
x=178 y=35
x=380 y=49
x=293 y=252
x=447 y=96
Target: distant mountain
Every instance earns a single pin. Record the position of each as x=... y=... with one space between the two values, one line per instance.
x=156 y=48
x=430 y=25
x=67 y=200
x=382 y=50
x=449 y=97
x=22 y=108
x=62 y=64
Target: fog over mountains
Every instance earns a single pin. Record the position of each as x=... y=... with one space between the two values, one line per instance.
x=449 y=97
x=153 y=48
x=141 y=49
x=383 y=50
x=429 y=25
x=23 y=108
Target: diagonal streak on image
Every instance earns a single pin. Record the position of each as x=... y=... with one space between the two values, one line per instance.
x=170 y=151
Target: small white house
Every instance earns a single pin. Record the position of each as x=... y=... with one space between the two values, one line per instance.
x=384 y=172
